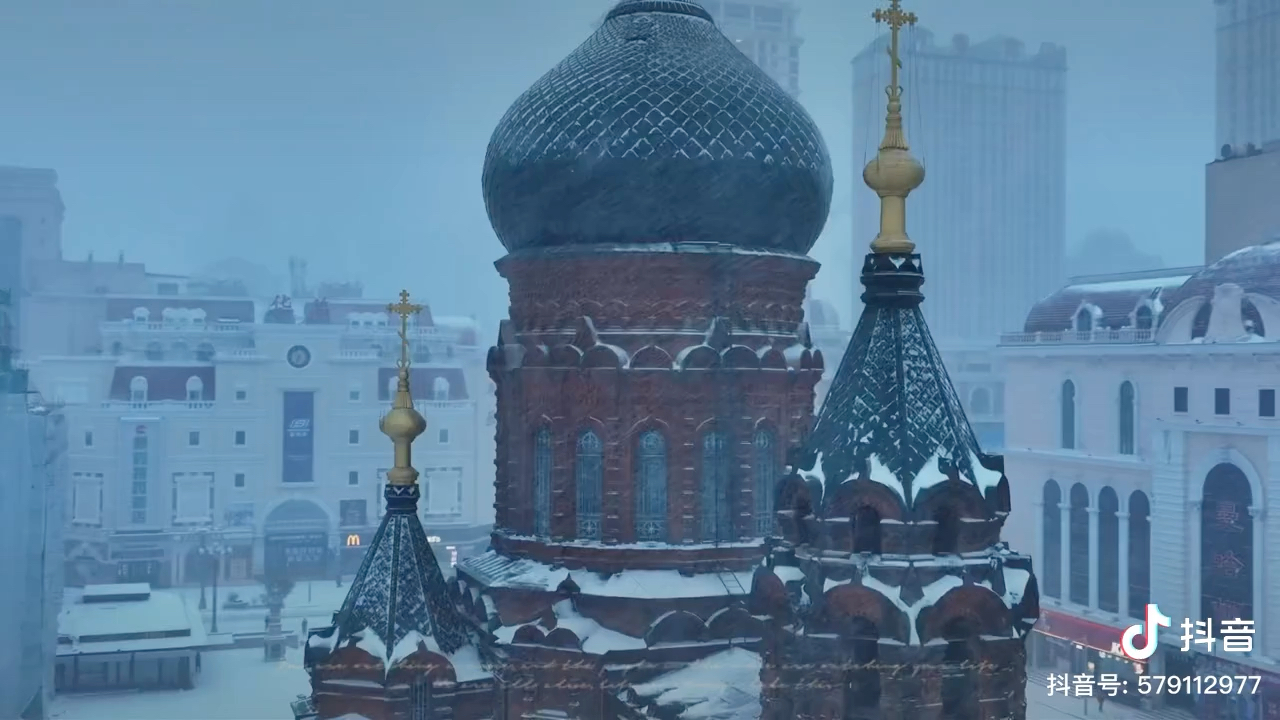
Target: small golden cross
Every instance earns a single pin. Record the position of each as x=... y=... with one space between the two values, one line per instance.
x=404 y=309
x=895 y=19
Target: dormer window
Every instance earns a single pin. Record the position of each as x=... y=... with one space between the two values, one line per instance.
x=141 y=314
x=1084 y=319
x=138 y=389
x=155 y=351
x=195 y=389
x=1143 y=318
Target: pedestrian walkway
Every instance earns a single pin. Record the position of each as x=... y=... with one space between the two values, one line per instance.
x=1040 y=706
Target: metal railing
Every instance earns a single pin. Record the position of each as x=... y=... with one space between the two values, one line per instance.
x=159 y=404
x=1106 y=336
x=175 y=326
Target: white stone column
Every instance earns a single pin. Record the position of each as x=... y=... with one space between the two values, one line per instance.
x=1258 y=515
x=1038 y=560
x=1064 y=550
x=1170 y=554
x=1269 y=638
x=1093 y=556
x=1194 y=568
x=1122 y=519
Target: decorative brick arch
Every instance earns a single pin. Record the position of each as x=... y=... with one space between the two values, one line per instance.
x=630 y=469
x=980 y=606
x=769 y=594
x=676 y=626
x=652 y=357
x=569 y=479
x=960 y=494
x=852 y=600
x=422 y=664
x=848 y=496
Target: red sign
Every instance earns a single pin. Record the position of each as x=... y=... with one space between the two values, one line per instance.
x=1082 y=632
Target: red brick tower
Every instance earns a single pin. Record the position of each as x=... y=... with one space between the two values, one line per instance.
x=657 y=194
x=890 y=595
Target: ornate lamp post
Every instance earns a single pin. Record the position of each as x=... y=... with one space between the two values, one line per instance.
x=212 y=552
x=204 y=543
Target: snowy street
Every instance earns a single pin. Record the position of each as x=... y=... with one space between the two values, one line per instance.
x=1042 y=707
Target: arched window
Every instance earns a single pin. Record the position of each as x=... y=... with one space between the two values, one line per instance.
x=422 y=354
x=959 y=676
x=589 y=480
x=1079 y=536
x=138 y=389
x=155 y=351
x=766 y=480
x=180 y=351
x=1084 y=319
x=716 y=511
x=1108 y=550
x=946 y=532
x=204 y=352
x=421 y=697
x=1139 y=580
x=1051 y=526
x=1226 y=545
x=862 y=680
x=542 y=483
x=1143 y=317
x=1068 y=415
x=651 y=487
x=980 y=401
x=117 y=349
x=440 y=389
x=1127 y=418
x=195 y=389
x=866 y=530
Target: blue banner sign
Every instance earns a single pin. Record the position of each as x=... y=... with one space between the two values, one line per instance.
x=299 y=437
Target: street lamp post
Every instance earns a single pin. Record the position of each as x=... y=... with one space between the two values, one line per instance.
x=213 y=554
x=204 y=544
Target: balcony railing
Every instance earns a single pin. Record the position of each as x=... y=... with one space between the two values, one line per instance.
x=158 y=405
x=175 y=327
x=1121 y=336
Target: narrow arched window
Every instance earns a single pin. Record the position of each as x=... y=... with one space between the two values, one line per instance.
x=651 y=487
x=1139 y=580
x=1084 y=319
x=589 y=479
x=959 y=671
x=862 y=680
x=1068 y=415
x=542 y=483
x=440 y=389
x=155 y=351
x=766 y=467
x=1226 y=545
x=1143 y=318
x=946 y=533
x=205 y=352
x=195 y=389
x=1128 y=419
x=866 y=530
x=421 y=708
x=716 y=511
x=1051 y=526
x=980 y=401
x=138 y=389
x=1108 y=550
x=1079 y=536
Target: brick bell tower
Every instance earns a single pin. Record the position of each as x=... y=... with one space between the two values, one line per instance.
x=656 y=193
x=891 y=595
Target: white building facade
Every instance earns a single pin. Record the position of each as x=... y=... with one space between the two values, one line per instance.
x=1248 y=72
x=765 y=31
x=211 y=421
x=1142 y=424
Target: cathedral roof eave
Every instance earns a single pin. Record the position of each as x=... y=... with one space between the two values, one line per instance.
x=495 y=570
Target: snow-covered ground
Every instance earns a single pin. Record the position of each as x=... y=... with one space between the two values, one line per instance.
x=232 y=685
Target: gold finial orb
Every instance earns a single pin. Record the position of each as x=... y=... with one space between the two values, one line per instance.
x=403 y=424
x=893 y=173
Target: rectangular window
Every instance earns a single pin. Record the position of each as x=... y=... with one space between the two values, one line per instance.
x=193 y=438
x=88 y=438
x=1267 y=403
x=353 y=478
x=1180 y=400
x=239 y=480
x=240 y=437
x=1221 y=401
x=353 y=395
x=242 y=395
x=353 y=437
x=444 y=436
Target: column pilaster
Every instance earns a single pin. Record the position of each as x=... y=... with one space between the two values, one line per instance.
x=1064 y=551
x=1122 y=519
x=1093 y=556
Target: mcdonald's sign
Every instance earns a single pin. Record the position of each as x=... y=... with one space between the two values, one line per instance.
x=353 y=540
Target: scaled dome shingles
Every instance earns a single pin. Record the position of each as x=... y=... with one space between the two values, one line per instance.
x=657 y=129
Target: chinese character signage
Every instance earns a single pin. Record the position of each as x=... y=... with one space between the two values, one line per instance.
x=299 y=437
x=296 y=556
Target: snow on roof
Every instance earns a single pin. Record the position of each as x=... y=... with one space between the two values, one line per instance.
x=788 y=573
x=1132 y=284
x=93 y=591
x=499 y=570
x=116 y=621
x=596 y=639
x=723 y=686
x=933 y=592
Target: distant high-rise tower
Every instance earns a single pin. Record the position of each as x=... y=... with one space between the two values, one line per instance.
x=988 y=122
x=765 y=31
x=1248 y=73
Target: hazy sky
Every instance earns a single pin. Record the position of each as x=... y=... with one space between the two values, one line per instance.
x=353 y=131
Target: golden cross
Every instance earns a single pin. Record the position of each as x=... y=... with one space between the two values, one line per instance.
x=404 y=309
x=895 y=19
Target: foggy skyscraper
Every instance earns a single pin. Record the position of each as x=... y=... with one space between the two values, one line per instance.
x=988 y=122
x=765 y=31
x=1248 y=72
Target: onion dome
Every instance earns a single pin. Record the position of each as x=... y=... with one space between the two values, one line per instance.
x=657 y=129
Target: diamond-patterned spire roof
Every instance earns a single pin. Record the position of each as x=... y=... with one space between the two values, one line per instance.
x=400 y=591
x=892 y=410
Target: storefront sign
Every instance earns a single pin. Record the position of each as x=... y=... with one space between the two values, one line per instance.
x=353 y=540
x=296 y=555
x=299 y=437
x=1102 y=638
